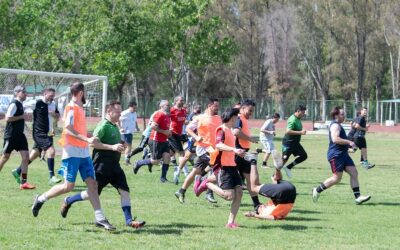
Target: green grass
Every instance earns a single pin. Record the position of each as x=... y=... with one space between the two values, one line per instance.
x=335 y=222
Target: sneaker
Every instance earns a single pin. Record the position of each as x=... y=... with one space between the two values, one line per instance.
x=180 y=197
x=36 y=206
x=64 y=207
x=197 y=182
x=136 y=168
x=176 y=175
x=16 y=176
x=203 y=187
x=163 y=180
x=361 y=199
x=136 y=224
x=315 y=195
x=105 y=224
x=288 y=172
x=232 y=225
x=26 y=186
x=367 y=165
x=210 y=198
x=54 y=180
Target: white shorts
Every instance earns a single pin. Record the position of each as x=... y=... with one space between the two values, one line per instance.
x=268 y=145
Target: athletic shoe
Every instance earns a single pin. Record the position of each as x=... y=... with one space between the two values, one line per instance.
x=315 y=195
x=180 y=196
x=65 y=207
x=136 y=168
x=197 y=182
x=203 y=187
x=185 y=170
x=288 y=172
x=105 y=224
x=210 y=198
x=127 y=162
x=26 y=186
x=136 y=224
x=16 y=176
x=361 y=199
x=367 y=165
x=163 y=180
x=36 y=206
x=232 y=225
x=54 y=180
x=176 y=175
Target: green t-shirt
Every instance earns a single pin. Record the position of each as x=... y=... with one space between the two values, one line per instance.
x=294 y=124
x=107 y=132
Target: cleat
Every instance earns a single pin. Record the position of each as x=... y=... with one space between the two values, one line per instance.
x=196 y=185
x=203 y=187
x=136 y=224
x=163 y=180
x=367 y=165
x=180 y=197
x=65 y=207
x=210 y=198
x=315 y=195
x=16 y=176
x=36 y=206
x=105 y=224
x=288 y=172
x=54 y=180
x=136 y=168
x=26 y=186
x=232 y=225
x=360 y=200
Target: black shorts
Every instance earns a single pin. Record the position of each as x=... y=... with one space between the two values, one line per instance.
x=338 y=164
x=282 y=193
x=17 y=143
x=175 y=143
x=229 y=178
x=113 y=175
x=42 y=142
x=157 y=149
x=243 y=166
x=360 y=142
x=292 y=149
x=201 y=162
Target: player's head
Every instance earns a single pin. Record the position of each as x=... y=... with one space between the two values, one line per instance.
x=364 y=111
x=213 y=106
x=132 y=106
x=300 y=111
x=337 y=113
x=247 y=108
x=237 y=105
x=113 y=111
x=179 y=101
x=197 y=109
x=229 y=116
x=276 y=117
x=49 y=94
x=78 y=91
x=20 y=93
x=164 y=106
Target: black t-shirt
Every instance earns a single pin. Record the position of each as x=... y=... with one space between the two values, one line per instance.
x=352 y=131
x=15 y=128
x=360 y=120
x=282 y=193
x=41 y=124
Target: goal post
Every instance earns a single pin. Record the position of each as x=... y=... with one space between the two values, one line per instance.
x=35 y=81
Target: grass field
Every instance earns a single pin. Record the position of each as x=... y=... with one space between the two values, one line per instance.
x=335 y=222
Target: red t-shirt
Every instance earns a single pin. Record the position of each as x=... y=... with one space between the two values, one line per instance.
x=163 y=121
x=178 y=118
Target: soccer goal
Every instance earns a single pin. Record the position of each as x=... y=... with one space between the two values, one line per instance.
x=36 y=81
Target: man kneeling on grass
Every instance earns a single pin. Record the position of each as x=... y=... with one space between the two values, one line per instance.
x=282 y=194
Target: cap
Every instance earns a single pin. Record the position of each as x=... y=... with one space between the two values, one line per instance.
x=18 y=88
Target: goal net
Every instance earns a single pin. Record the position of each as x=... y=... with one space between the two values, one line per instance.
x=36 y=81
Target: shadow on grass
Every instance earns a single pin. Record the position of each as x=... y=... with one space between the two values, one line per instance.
x=305 y=211
x=294 y=218
x=382 y=204
x=284 y=227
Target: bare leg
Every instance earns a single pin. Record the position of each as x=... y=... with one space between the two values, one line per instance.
x=3 y=160
x=237 y=198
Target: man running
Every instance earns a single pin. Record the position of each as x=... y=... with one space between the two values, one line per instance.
x=339 y=159
x=128 y=125
x=243 y=141
x=206 y=125
x=44 y=112
x=14 y=137
x=267 y=134
x=106 y=156
x=76 y=157
x=158 y=143
x=291 y=140
x=143 y=142
x=361 y=127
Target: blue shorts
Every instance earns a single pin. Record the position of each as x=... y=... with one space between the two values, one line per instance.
x=71 y=166
x=127 y=138
x=338 y=164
